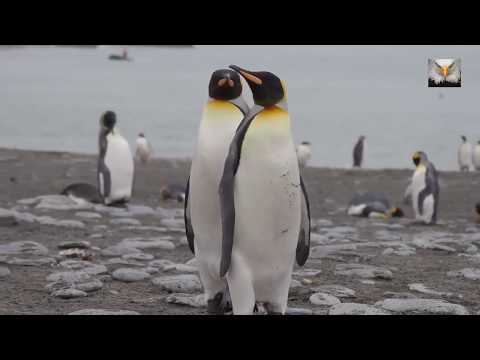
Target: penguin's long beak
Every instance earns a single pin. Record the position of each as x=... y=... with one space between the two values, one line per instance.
x=248 y=75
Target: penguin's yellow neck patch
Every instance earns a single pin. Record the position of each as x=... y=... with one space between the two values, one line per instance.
x=217 y=110
x=421 y=168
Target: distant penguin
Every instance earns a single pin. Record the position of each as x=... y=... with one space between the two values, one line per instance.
x=304 y=153
x=115 y=163
x=425 y=189
x=477 y=211
x=144 y=149
x=476 y=156
x=358 y=152
x=464 y=155
x=264 y=204
x=86 y=192
x=222 y=114
x=372 y=205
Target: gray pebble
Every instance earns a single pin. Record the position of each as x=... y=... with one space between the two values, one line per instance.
x=130 y=275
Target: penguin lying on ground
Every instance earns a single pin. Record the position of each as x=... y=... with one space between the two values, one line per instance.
x=115 y=163
x=264 y=205
x=222 y=114
x=425 y=189
x=82 y=191
x=372 y=205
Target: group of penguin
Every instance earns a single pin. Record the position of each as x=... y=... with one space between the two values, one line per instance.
x=468 y=155
x=246 y=207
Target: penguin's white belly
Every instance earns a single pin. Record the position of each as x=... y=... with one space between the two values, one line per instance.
x=119 y=162
x=143 y=150
x=476 y=157
x=217 y=129
x=464 y=155
x=304 y=154
x=267 y=208
x=356 y=210
x=417 y=185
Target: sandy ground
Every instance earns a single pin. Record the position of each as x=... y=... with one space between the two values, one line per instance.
x=26 y=174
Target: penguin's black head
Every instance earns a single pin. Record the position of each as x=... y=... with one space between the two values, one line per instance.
x=477 y=208
x=109 y=119
x=464 y=138
x=225 y=85
x=419 y=157
x=361 y=138
x=267 y=88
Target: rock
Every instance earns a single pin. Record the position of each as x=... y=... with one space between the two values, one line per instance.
x=85 y=266
x=69 y=277
x=74 y=245
x=23 y=248
x=297 y=289
x=367 y=282
x=90 y=312
x=318 y=224
x=150 y=270
x=424 y=290
x=335 y=290
x=161 y=263
x=182 y=268
x=99 y=227
x=422 y=307
x=318 y=239
x=185 y=283
x=4 y=272
x=384 y=235
x=323 y=251
x=126 y=221
x=88 y=215
x=321 y=299
x=298 y=311
x=145 y=228
x=138 y=256
x=403 y=250
x=399 y=295
x=125 y=262
x=192 y=262
x=90 y=286
x=472 y=249
x=468 y=273
x=169 y=213
x=363 y=271
x=69 y=293
x=130 y=275
x=152 y=243
x=197 y=301
x=173 y=223
x=74 y=254
x=60 y=203
x=140 y=210
x=7 y=218
x=430 y=244
x=355 y=309
x=31 y=262
x=307 y=273
x=118 y=250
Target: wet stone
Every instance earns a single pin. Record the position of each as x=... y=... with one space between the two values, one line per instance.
x=321 y=299
x=298 y=311
x=125 y=221
x=196 y=301
x=4 y=272
x=422 y=307
x=399 y=295
x=90 y=312
x=88 y=215
x=363 y=271
x=182 y=268
x=23 y=248
x=424 y=290
x=130 y=275
x=185 y=283
x=356 y=309
x=468 y=273
x=69 y=294
x=31 y=262
x=335 y=290
x=138 y=256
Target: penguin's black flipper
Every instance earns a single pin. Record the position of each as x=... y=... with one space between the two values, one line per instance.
x=303 y=246
x=188 y=220
x=226 y=189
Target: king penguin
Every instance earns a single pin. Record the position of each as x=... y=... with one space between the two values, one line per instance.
x=425 y=189
x=144 y=149
x=115 y=163
x=264 y=204
x=358 y=152
x=476 y=156
x=222 y=114
x=464 y=155
x=304 y=153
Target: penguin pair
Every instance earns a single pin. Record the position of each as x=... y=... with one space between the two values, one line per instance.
x=424 y=189
x=247 y=214
x=373 y=205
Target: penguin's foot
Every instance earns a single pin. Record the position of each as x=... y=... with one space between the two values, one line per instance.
x=271 y=310
x=220 y=304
